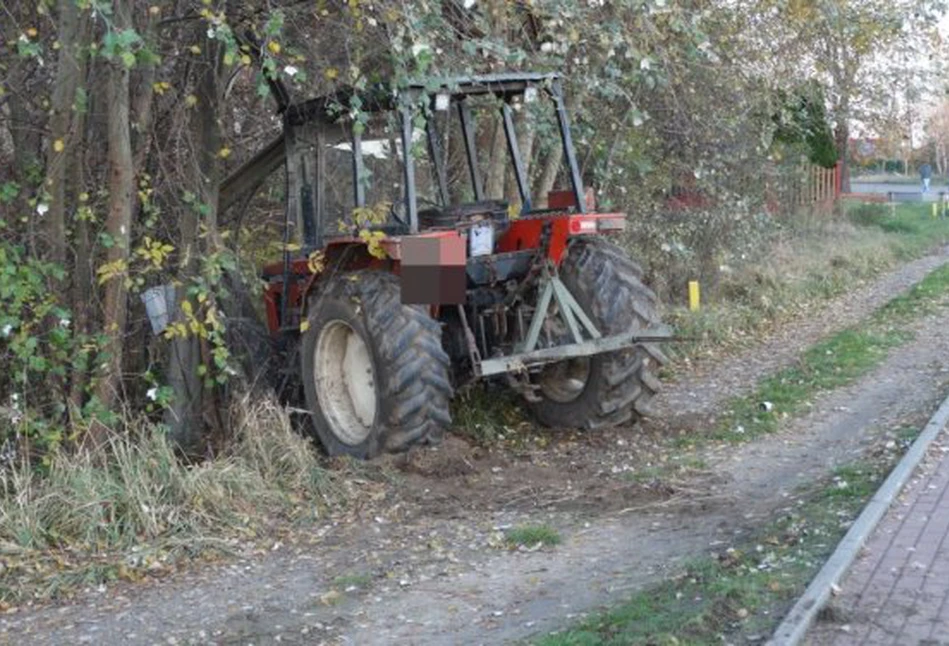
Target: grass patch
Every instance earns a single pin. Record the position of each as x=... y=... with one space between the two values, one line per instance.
x=742 y=591
x=532 y=535
x=832 y=363
x=134 y=509
x=487 y=414
x=348 y=581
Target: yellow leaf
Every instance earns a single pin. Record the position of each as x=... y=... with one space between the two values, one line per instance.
x=274 y=47
x=187 y=308
x=31 y=32
x=195 y=50
x=224 y=152
x=316 y=262
x=331 y=73
x=191 y=100
x=245 y=59
x=304 y=326
x=59 y=146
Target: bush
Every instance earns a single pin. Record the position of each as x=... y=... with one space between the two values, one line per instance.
x=894 y=166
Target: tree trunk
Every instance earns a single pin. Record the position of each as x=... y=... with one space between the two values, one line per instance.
x=68 y=72
x=142 y=102
x=548 y=176
x=494 y=184
x=119 y=220
x=842 y=136
x=185 y=416
x=74 y=181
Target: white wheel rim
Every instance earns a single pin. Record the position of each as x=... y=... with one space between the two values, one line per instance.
x=345 y=382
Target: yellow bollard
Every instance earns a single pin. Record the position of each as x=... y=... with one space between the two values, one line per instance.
x=694 y=295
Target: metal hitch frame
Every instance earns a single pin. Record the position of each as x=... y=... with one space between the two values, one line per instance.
x=527 y=356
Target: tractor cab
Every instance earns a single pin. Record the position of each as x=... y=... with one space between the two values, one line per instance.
x=418 y=159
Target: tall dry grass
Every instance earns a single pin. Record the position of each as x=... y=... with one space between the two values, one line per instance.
x=136 y=490
x=798 y=269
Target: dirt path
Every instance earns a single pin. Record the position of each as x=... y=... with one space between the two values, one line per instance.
x=426 y=565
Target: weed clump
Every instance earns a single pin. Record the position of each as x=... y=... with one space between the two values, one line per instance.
x=532 y=535
x=134 y=495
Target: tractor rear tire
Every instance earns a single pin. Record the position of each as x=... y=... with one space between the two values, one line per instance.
x=606 y=389
x=375 y=375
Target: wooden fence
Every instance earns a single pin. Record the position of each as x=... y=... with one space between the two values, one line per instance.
x=787 y=188
x=791 y=188
x=817 y=186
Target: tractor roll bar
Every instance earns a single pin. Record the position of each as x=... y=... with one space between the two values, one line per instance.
x=471 y=151
x=556 y=90
x=408 y=167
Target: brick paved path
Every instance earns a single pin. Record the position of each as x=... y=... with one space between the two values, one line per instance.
x=897 y=591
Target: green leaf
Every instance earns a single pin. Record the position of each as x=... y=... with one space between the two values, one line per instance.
x=81 y=101
x=8 y=192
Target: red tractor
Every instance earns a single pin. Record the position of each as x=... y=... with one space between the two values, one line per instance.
x=410 y=281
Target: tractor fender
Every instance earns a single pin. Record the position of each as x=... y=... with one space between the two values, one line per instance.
x=347 y=254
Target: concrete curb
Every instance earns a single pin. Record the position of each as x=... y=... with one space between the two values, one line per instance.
x=797 y=622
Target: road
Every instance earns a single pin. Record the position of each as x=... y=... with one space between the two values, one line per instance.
x=857 y=186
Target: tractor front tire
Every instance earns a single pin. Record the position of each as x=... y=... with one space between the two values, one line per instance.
x=375 y=375
x=607 y=389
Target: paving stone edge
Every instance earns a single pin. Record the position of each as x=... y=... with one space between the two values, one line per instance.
x=797 y=622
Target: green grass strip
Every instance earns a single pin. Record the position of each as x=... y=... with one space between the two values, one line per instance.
x=837 y=361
